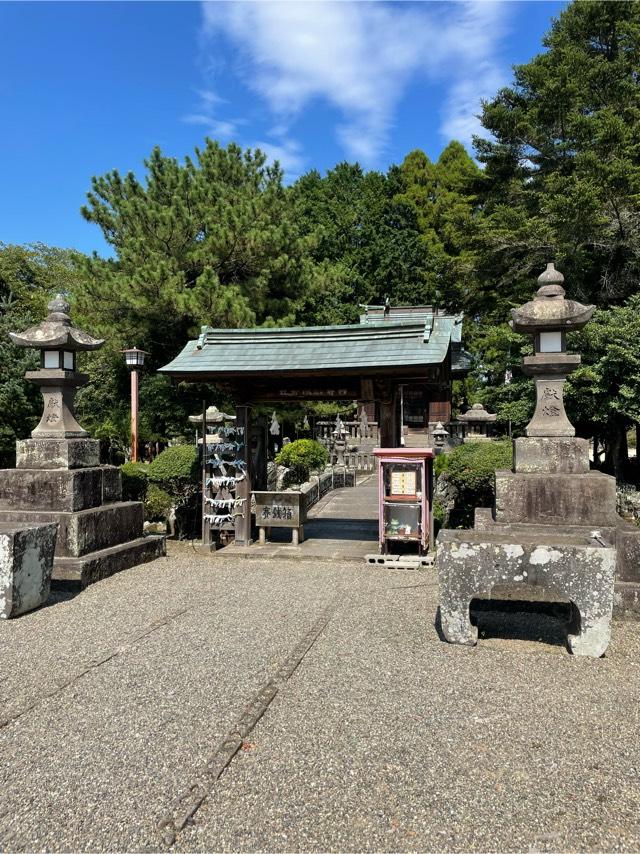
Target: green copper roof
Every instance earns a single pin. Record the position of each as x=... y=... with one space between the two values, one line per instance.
x=385 y=345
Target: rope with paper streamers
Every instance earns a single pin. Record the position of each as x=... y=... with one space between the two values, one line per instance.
x=225 y=503
x=223 y=481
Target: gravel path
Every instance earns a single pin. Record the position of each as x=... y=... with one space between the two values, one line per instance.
x=383 y=738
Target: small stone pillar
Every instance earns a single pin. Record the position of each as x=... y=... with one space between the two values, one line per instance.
x=26 y=560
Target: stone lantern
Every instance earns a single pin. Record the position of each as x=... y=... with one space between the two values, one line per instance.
x=553 y=531
x=58 y=432
x=440 y=435
x=477 y=420
x=548 y=318
x=339 y=442
x=58 y=478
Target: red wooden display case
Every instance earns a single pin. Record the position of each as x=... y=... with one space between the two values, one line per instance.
x=404 y=497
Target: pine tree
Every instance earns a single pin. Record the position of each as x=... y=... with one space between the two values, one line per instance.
x=208 y=241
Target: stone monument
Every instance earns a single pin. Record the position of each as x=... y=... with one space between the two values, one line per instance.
x=58 y=476
x=554 y=528
x=26 y=561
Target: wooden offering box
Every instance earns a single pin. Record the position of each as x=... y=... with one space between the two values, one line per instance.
x=404 y=493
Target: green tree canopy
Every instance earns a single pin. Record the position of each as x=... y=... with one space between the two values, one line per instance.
x=363 y=239
x=562 y=173
x=602 y=395
x=444 y=198
x=211 y=240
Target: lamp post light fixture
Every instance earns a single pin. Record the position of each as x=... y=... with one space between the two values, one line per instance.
x=134 y=359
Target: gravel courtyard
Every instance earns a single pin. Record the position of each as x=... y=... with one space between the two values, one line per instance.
x=378 y=736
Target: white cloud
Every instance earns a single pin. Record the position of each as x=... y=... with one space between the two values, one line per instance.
x=359 y=57
x=460 y=114
x=214 y=127
x=288 y=154
x=207 y=116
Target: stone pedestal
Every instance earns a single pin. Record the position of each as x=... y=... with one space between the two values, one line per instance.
x=559 y=499
x=26 y=560
x=57 y=453
x=98 y=533
x=542 y=454
x=489 y=564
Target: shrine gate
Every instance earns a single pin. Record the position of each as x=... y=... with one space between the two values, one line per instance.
x=416 y=347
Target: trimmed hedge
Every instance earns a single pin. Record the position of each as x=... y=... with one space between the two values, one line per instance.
x=301 y=457
x=134 y=481
x=175 y=466
x=471 y=467
x=439 y=517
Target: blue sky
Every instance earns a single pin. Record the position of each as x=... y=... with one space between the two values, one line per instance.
x=90 y=87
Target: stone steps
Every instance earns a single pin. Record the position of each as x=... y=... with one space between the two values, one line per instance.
x=101 y=564
x=88 y=530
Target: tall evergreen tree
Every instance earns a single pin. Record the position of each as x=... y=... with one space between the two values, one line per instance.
x=563 y=169
x=365 y=240
x=444 y=198
x=562 y=183
x=211 y=240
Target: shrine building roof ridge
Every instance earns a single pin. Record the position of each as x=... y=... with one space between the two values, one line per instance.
x=386 y=344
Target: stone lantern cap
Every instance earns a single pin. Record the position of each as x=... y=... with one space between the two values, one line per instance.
x=213 y=415
x=549 y=311
x=477 y=413
x=56 y=331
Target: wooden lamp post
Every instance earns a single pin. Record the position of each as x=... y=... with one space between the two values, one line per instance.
x=134 y=359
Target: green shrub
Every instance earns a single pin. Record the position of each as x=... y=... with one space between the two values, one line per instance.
x=301 y=457
x=175 y=468
x=157 y=504
x=440 y=464
x=134 y=481
x=438 y=517
x=471 y=469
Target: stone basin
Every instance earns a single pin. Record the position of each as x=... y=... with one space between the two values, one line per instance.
x=541 y=562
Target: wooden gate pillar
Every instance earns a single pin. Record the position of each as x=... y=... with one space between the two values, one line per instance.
x=244 y=487
x=388 y=427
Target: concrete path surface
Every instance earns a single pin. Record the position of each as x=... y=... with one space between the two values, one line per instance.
x=357 y=727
